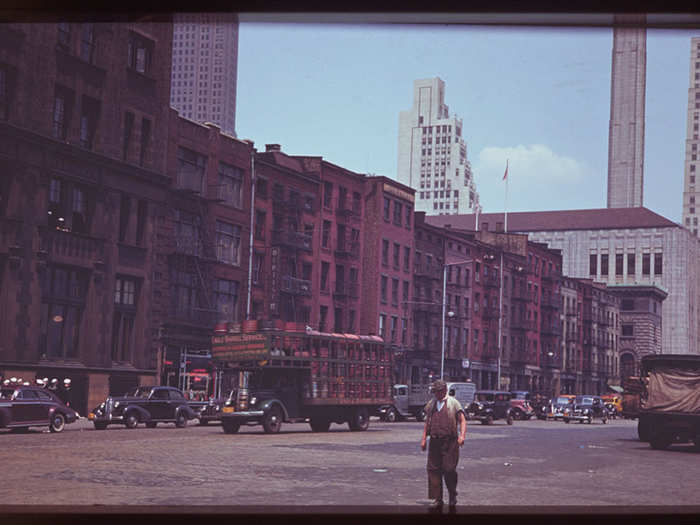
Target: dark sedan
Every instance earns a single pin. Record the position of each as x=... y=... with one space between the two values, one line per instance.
x=585 y=409
x=23 y=406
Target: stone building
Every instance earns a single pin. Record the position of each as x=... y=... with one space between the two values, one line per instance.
x=618 y=246
x=692 y=142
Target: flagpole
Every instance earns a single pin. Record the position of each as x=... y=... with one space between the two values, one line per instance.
x=505 y=220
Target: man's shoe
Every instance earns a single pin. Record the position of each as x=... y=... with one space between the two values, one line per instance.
x=436 y=506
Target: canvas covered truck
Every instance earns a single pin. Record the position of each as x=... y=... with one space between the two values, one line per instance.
x=408 y=401
x=276 y=376
x=670 y=401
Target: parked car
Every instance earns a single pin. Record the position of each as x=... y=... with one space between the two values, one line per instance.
x=555 y=408
x=613 y=403
x=520 y=405
x=490 y=405
x=585 y=409
x=23 y=406
x=147 y=404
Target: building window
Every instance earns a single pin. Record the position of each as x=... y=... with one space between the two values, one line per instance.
x=384 y=288
x=398 y=213
x=261 y=189
x=184 y=294
x=63 y=299
x=619 y=264
x=260 y=224
x=658 y=264
x=326 y=234
x=145 y=140
x=128 y=127
x=140 y=52
x=230 y=184
x=338 y=320
x=382 y=325
x=385 y=252
x=627 y=330
x=631 y=270
x=387 y=208
x=87 y=42
x=226 y=300
x=68 y=207
x=325 y=267
x=89 y=115
x=406 y=258
x=6 y=91
x=64 y=36
x=593 y=264
x=125 y=298
x=124 y=216
x=62 y=109
x=394 y=328
x=646 y=264
x=406 y=287
x=187 y=233
x=397 y=255
x=395 y=292
x=190 y=170
x=258 y=261
x=228 y=242
x=604 y=265
x=327 y=194
x=351 y=321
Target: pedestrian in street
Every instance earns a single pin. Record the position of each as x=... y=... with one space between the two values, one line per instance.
x=446 y=425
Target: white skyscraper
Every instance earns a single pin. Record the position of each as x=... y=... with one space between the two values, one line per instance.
x=205 y=68
x=627 y=100
x=691 y=193
x=433 y=155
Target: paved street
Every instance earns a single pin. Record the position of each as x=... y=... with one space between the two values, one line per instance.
x=532 y=463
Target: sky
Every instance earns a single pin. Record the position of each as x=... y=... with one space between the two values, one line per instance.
x=539 y=97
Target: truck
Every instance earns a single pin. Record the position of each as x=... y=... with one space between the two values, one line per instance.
x=407 y=401
x=276 y=376
x=669 y=409
x=632 y=390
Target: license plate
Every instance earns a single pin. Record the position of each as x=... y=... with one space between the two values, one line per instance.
x=91 y=416
x=227 y=410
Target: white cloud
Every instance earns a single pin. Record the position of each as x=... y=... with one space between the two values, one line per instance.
x=538 y=179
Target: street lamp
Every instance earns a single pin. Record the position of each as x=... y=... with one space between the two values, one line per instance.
x=444 y=314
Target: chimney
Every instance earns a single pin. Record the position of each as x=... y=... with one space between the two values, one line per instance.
x=272 y=147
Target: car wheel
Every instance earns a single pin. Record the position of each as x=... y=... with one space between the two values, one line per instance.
x=100 y=425
x=230 y=427
x=392 y=416
x=181 y=420
x=319 y=424
x=131 y=420
x=661 y=441
x=58 y=422
x=272 y=420
x=420 y=416
x=509 y=420
x=151 y=424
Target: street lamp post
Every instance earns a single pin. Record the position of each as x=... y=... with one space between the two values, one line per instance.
x=444 y=306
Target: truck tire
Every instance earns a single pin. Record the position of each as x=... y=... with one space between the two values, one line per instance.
x=391 y=416
x=359 y=419
x=230 y=427
x=661 y=441
x=272 y=420
x=58 y=422
x=320 y=424
x=643 y=429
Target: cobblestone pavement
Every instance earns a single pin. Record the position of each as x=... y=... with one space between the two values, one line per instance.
x=533 y=463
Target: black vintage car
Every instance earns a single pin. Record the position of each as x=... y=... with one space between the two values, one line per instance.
x=211 y=412
x=585 y=409
x=490 y=405
x=24 y=406
x=147 y=404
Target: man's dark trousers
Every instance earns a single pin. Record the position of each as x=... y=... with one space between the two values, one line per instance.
x=443 y=456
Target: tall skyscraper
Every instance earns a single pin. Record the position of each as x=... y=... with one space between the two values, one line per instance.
x=433 y=154
x=205 y=68
x=690 y=193
x=627 y=92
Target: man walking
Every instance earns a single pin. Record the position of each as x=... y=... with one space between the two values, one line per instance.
x=442 y=415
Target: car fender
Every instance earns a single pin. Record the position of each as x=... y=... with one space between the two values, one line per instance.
x=191 y=414
x=5 y=417
x=144 y=415
x=269 y=403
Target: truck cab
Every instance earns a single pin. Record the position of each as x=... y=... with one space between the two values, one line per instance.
x=408 y=401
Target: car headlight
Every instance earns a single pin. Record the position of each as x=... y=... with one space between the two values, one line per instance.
x=586 y=410
x=253 y=400
x=116 y=404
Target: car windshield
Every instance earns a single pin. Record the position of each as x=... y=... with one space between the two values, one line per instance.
x=142 y=391
x=484 y=397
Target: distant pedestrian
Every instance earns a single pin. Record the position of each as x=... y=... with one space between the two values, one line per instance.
x=446 y=425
